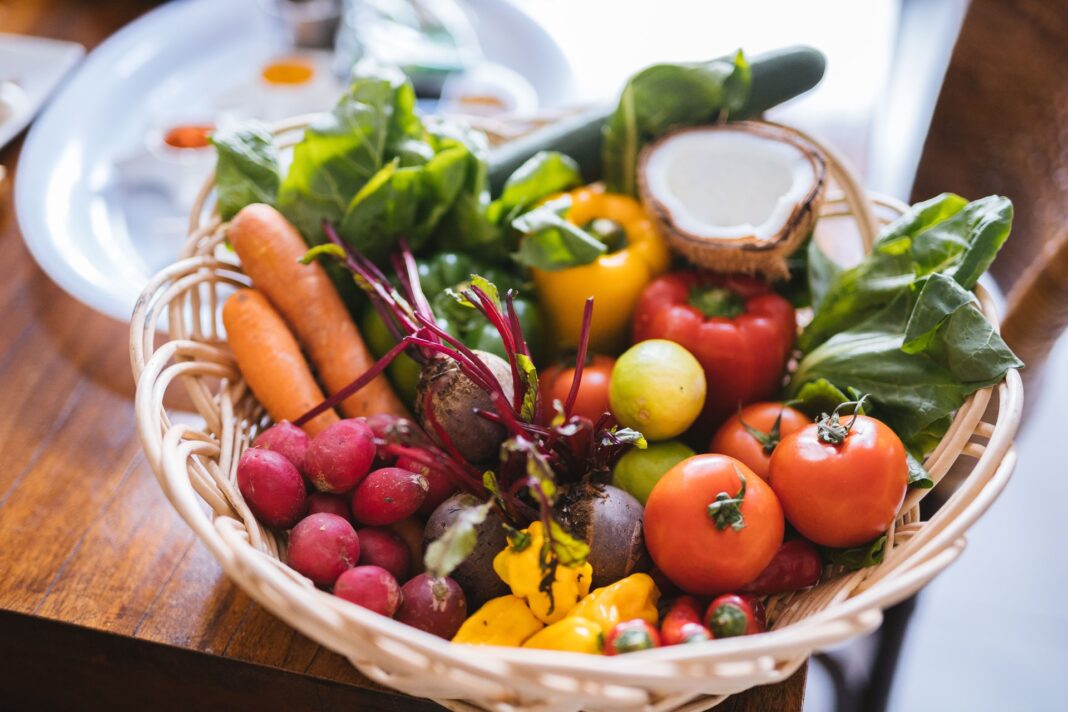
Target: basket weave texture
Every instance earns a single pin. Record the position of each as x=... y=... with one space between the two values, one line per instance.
x=196 y=468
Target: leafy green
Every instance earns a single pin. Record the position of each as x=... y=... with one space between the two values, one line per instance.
x=818 y=397
x=343 y=149
x=663 y=97
x=945 y=234
x=903 y=327
x=822 y=271
x=857 y=557
x=246 y=170
x=528 y=374
x=551 y=242
x=448 y=551
x=545 y=173
x=918 y=475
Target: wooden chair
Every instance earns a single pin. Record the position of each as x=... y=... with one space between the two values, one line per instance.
x=1000 y=126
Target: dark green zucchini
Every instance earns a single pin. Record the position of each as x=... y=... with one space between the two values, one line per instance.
x=777 y=76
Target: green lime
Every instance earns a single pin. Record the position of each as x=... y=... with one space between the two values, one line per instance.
x=658 y=387
x=639 y=470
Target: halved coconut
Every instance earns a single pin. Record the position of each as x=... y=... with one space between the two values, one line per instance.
x=738 y=197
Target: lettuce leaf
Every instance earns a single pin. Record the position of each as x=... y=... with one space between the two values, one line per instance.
x=246 y=170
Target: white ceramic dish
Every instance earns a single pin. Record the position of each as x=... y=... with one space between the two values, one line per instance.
x=88 y=214
x=30 y=69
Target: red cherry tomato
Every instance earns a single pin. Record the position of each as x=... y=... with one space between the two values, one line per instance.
x=771 y=423
x=711 y=525
x=630 y=637
x=682 y=623
x=844 y=493
x=592 y=399
x=730 y=615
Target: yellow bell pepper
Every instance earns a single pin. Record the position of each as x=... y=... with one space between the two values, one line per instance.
x=503 y=621
x=633 y=597
x=615 y=280
x=522 y=571
x=577 y=635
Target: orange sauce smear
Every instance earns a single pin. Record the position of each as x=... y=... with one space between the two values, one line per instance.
x=290 y=71
x=188 y=135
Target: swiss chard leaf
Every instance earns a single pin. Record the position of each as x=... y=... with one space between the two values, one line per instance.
x=918 y=476
x=247 y=168
x=822 y=272
x=550 y=242
x=663 y=97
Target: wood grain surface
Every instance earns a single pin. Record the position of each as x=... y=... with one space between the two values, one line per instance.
x=106 y=598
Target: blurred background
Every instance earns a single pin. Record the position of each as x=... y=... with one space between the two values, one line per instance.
x=102 y=204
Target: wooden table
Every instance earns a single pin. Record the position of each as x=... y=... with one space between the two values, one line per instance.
x=106 y=598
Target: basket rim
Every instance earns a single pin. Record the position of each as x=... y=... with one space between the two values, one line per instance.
x=171 y=448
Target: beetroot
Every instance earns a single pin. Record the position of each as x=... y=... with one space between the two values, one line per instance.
x=441 y=485
x=610 y=521
x=434 y=605
x=285 y=439
x=331 y=504
x=372 y=587
x=339 y=457
x=388 y=495
x=272 y=487
x=381 y=547
x=475 y=574
x=322 y=547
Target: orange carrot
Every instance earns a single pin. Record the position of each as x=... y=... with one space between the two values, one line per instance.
x=270 y=360
x=270 y=249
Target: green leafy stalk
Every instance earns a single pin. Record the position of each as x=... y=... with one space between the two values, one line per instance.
x=857 y=557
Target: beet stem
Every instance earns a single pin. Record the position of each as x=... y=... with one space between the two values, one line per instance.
x=580 y=358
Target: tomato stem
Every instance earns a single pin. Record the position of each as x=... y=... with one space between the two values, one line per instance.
x=829 y=428
x=769 y=439
x=726 y=511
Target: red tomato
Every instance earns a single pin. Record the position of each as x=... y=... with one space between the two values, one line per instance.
x=704 y=549
x=592 y=399
x=841 y=494
x=735 y=440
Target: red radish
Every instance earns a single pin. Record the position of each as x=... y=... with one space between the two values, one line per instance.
x=388 y=495
x=410 y=531
x=441 y=485
x=322 y=547
x=331 y=504
x=272 y=487
x=372 y=587
x=340 y=457
x=384 y=548
x=434 y=605
x=286 y=439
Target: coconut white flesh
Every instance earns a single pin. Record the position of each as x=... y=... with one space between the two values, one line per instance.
x=729 y=184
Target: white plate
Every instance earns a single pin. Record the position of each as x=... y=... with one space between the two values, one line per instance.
x=35 y=66
x=100 y=235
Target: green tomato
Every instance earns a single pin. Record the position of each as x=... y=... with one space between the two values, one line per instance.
x=639 y=470
x=658 y=388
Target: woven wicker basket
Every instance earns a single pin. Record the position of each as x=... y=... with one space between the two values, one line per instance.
x=196 y=465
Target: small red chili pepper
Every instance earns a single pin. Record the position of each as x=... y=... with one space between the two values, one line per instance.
x=682 y=623
x=631 y=636
x=796 y=565
x=731 y=615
